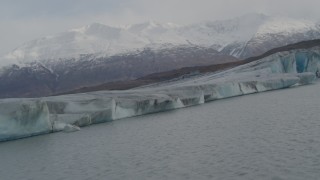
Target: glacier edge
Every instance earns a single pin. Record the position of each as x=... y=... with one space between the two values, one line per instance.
x=26 y=117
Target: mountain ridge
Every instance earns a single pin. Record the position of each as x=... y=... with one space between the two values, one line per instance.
x=237 y=37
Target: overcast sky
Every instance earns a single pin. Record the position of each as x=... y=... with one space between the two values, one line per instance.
x=24 y=20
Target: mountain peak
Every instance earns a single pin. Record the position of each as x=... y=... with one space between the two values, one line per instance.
x=151 y=26
x=93 y=27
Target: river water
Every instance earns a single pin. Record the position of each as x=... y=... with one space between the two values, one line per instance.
x=273 y=135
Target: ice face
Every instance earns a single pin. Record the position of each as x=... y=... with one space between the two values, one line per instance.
x=297 y=61
x=22 y=118
x=26 y=117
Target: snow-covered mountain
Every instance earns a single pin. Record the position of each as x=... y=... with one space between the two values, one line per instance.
x=97 y=53
x=241 y=37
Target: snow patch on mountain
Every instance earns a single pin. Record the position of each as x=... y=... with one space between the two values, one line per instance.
x=286 y=26
x=222 y=33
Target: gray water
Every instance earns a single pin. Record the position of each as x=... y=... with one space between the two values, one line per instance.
x=273 y=135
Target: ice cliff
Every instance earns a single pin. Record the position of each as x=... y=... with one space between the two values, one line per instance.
x=27 y=117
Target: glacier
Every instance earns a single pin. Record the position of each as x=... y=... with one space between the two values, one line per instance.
x=24 y=117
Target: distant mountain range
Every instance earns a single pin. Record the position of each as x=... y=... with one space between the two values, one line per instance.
x=241 y=37
x=98 y=54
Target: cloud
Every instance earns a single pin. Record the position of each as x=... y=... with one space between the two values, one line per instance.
x=195 y=10
x=22 y=20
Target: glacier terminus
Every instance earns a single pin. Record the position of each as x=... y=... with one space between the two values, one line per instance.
x=24 y=117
